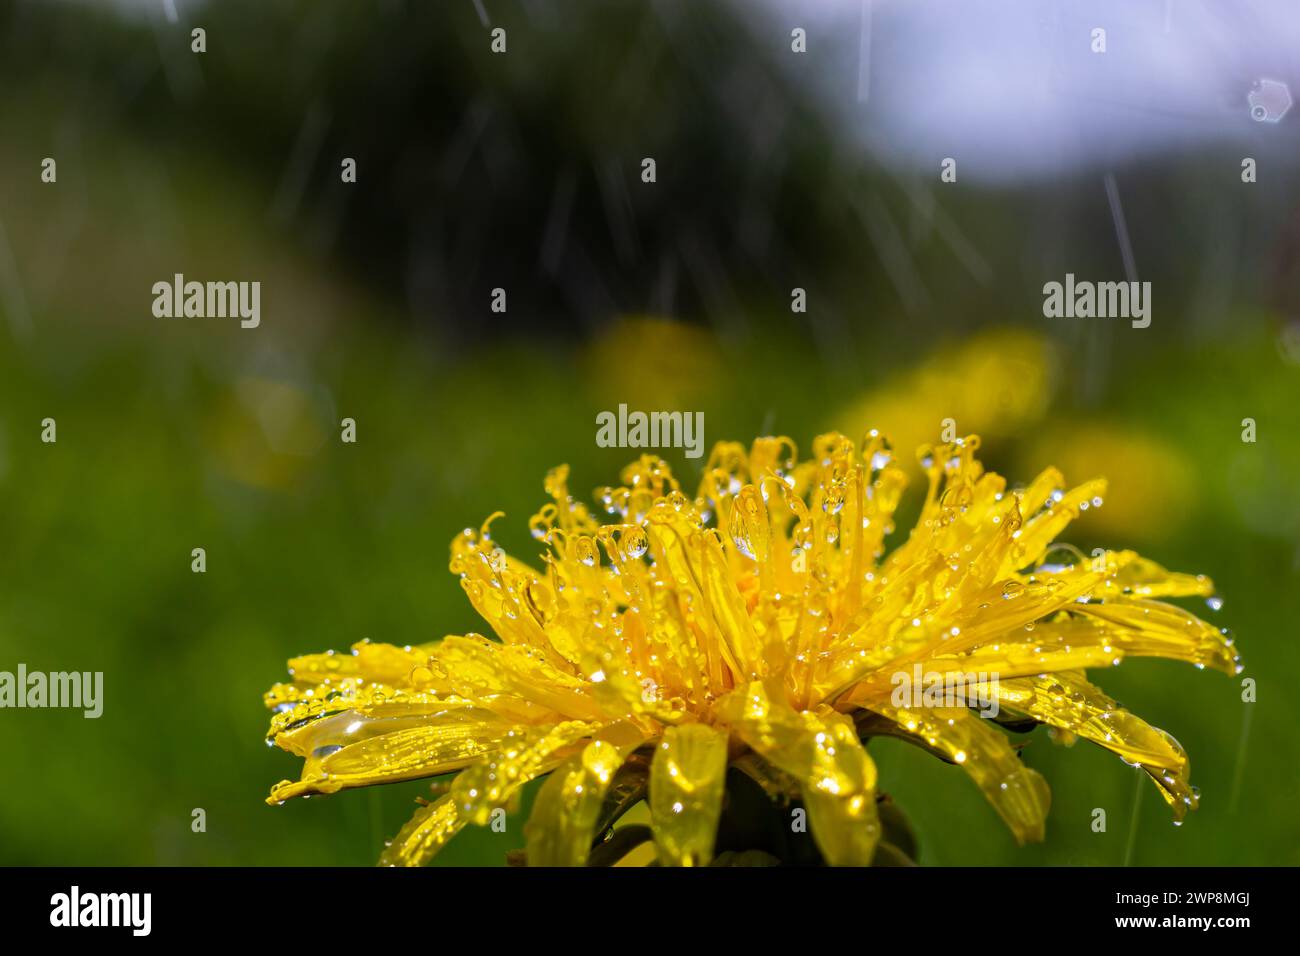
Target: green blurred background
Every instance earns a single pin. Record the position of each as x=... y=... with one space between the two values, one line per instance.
x=523 y=172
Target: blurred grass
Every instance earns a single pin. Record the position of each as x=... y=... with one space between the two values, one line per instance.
x=166 y=442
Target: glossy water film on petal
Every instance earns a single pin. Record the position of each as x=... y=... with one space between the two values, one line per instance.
x=686 y=784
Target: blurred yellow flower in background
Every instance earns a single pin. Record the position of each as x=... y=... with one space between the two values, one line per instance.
x=266 y=434
x=650 y=362
x=1153 y=484
x=757 y=628
x=998 y=384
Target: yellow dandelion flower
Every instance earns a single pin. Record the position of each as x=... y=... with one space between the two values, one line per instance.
x=998 y=383
x=756 y=632
x=1153 y=482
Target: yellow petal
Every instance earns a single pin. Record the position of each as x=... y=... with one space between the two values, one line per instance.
x=436 y=745
x=686 y=785
x=711 y=603
x=424 y=835
x=1144 y=578
x=357 y=711
x=1045 y=484
x=477 y=668
x=522 y=755
x=820 y=750
x=1019 y=795
x=1156 y=629
x=969 y=672
x=508 y=594
x=564 y=817
x=1040 y=530
x=380 y=663
x=844 y=821
x=1019 y=660
x=1068 y=701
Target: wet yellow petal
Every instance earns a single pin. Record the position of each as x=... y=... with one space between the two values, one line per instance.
x=843 y=818
x=711 y=605
x=823 y=753
x=424 y=835
x=380 y=663
x=622 y=691
x=1155 y=629
x=969 y=671
x=522 y=755
x=508 y=594
x=356 y=711
x=687 y=779
x=477 y=668
x=434 y=745
x=1068 y=701
x=1019 y=660
x=1019 y=794
x=1040 y=530
x=565 y=814
x=1144 y=578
